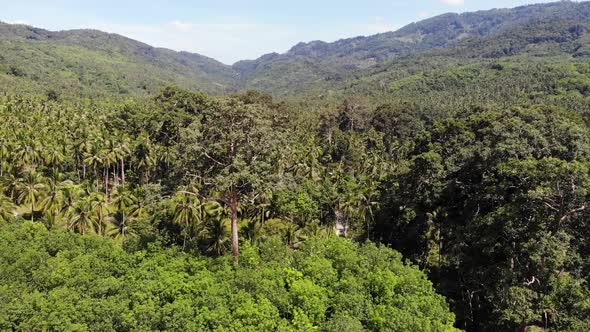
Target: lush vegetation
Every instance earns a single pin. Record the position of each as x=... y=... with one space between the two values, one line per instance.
x=52 y=280
x=91 y=63
x=158 y=192
x=490 y=202
x=464 y=150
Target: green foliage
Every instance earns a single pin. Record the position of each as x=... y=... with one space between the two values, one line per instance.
x=93 y=63
x=500 y=196
x=461 y=141
x=97 y=64
x=63 y=281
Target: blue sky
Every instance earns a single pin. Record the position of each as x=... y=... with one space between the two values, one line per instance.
x=231 y=30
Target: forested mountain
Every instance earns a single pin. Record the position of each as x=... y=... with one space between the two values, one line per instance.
x=85 y=60
x=92 y=62
x=325 y=65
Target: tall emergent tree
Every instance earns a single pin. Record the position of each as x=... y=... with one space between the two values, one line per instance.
x=234 y=146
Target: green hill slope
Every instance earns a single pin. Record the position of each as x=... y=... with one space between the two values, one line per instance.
x=91 y=62
x=500 y=32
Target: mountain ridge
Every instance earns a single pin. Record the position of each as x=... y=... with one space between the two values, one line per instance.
x=84 y=56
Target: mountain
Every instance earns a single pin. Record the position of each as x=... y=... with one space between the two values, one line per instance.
x=319 y=64
x=92 y=62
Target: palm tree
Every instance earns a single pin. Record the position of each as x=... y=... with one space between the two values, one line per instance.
x=121 y=225
x=10 y=184
x=29 y=189
x=80 y=217
x=215 y=228
x=80 y=150
x=216 y=234
x=93 y=158
x=186 y=208
x=121 y=153
x=28 y=154
x=315 y=229
x=144 y=152
x=123 y=199
x=7 y=208
x=100 y=211
x=53 y=202
x=125 y=209
x=54 y=157
x=107 y=159
x=5 y=150
x=293 y=235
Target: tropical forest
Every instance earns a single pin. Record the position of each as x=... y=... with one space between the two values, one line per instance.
x=432 y=178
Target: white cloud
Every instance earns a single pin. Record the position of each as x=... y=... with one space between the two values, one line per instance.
x=453 y=2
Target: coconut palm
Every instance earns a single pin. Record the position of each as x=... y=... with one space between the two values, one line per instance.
x=92 y=158
x=121 y=153
x=5 y=153
x=7 y=208
x=80 y=217
x=121 y=225
x=144 y=153
x=186 y=209
x=124 y=212
x=100 y=212
x=54 y=158
x=216 y=235
x=28 y=154
x=53 y=201
x=29 y=189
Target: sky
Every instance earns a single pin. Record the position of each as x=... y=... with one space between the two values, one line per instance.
x=232 y=30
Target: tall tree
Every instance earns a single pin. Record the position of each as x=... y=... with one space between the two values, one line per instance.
x=233 y=146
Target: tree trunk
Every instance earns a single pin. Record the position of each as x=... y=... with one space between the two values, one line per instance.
x=106 y=181
x=97 y=178
x=122 y=171
x=116 y=174
x=234 y=224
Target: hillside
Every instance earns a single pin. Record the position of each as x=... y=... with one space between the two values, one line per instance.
x=91 y=62
x=554 y=51
x=323 y=65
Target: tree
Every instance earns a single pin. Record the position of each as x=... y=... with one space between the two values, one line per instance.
x=29 y=190
x=124 y=210
x=215 y=230
x=100 y=211
x=53 y=202
x=80 y=217
x=7 y=208
x=186 y=209
x=144 y=154
x=233 y=146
